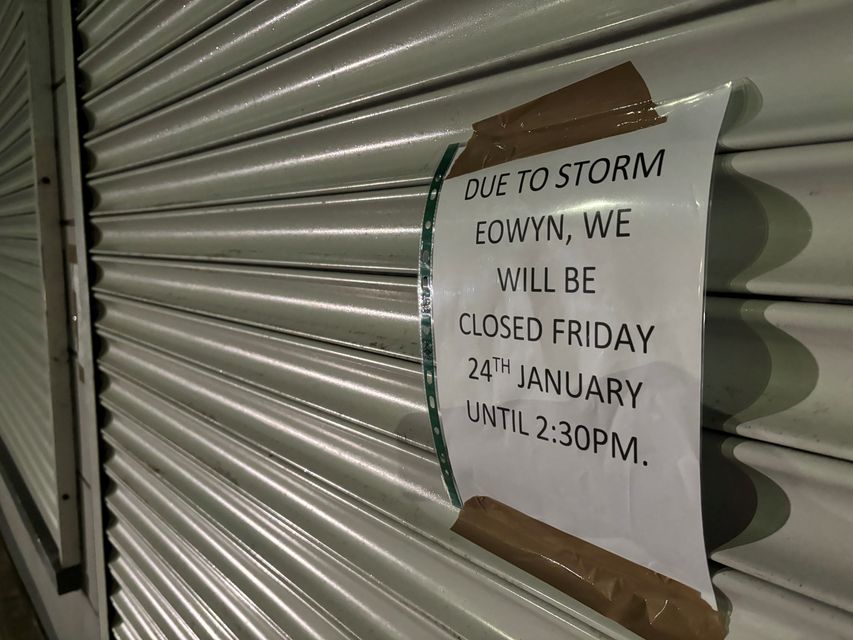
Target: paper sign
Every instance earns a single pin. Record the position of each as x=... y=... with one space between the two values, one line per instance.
x=563 y=335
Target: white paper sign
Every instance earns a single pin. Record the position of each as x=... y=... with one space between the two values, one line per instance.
x=567 y=312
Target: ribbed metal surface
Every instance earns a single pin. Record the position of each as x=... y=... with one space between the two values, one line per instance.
x=105 y=19
x=333 y=563
x=798 y=101
x=377 y=55
x=384 y=395
x=26 y=426
x=260 y=31
x=762 y=612
x=800 y=193
x=266 y=434
x=151 y=32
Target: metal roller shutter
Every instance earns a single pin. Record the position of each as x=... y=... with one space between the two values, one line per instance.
x=37 y=458
x=255 y=219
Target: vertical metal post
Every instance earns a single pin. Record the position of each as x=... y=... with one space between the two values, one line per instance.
x=50 y=243
x=87 y=390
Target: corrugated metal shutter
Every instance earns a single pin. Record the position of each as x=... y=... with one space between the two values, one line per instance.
x=257 y=177
x=35 y=412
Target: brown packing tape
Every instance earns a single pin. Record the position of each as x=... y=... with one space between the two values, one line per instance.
x=607 y=104
x=649 y=604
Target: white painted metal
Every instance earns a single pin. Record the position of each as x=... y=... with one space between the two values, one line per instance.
x=256 y=202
